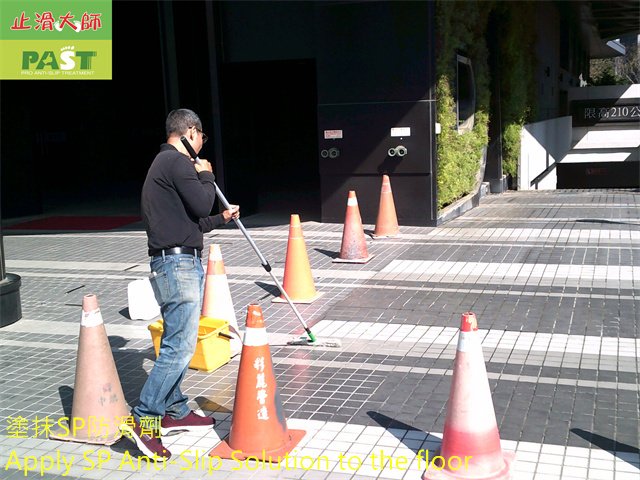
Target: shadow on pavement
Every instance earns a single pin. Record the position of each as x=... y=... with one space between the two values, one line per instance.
x=328 y=253
x=394 y=427
x=607 y=444
x=601 y=220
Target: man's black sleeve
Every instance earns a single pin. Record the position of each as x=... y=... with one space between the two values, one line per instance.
x=209 y=223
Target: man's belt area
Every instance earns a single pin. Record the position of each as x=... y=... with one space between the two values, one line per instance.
x=175 y=251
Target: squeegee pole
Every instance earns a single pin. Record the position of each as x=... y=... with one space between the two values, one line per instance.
x=227 y=206
x=264 y=262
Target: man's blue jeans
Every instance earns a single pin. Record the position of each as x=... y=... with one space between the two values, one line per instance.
x=178 y=285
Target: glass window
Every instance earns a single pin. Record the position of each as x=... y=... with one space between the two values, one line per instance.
x=465 y=95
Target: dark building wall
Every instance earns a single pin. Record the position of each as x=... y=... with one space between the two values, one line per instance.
x=76 y=141
x=268 y=102
x=369 y=53
x=374 y=52
x=19 y=177
x=283 y=68
x=376 y=73
x=269 y=133
x=272 y=76
x=267 y=31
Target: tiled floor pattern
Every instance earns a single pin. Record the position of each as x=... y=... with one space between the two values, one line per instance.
x=448 y=336
x=560 y=339
x=514 y=273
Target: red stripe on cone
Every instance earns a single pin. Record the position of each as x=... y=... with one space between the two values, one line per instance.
x=470 y=428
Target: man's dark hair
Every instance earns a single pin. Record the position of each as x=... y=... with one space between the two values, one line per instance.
x=181 y=120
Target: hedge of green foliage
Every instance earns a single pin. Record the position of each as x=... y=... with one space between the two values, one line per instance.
x=518 y=64
x=460 y=29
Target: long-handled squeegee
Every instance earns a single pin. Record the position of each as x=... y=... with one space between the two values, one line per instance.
x=265 y=264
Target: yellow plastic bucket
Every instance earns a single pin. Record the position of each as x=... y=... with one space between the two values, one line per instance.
x=213 y=348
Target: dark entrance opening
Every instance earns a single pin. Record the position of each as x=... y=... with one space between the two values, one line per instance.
x=269 y=128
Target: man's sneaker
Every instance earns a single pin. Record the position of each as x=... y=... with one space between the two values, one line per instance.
x=146 y=443
x=192 y=423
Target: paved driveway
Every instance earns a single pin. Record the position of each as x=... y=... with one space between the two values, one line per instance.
x=553 y=278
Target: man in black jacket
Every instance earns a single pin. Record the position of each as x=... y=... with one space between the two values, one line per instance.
x=177 y=198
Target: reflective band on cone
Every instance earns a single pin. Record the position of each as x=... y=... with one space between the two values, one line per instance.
x=258 y=426
x=97 y=392
x=255 y=337
x=92 y=318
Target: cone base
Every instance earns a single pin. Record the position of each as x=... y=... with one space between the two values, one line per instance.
x=66 y=436
x=385 y=237
x=357 y=260
x=303 y=301
x=461 y=474
x=223 y=450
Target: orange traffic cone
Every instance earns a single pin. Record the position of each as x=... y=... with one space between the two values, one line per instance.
x=298 y=281
x=354 y=245
x=258 y=426
x=217 y=297
x=99 y=406
x=387 y=222
x=470 y=443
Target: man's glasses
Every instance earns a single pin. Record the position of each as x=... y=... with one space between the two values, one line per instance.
x=204 y=135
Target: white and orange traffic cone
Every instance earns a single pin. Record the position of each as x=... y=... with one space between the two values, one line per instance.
x=258 y=426
x=298 y=280
x=99 y=406
x=354 y=245
x=387 y=220
x=217 y=302
x=471 y=443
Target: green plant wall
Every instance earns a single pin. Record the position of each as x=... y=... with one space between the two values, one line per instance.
x=518 y=64
x=460 y=29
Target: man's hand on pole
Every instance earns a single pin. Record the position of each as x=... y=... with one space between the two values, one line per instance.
x=204 y=165
x=231 y=214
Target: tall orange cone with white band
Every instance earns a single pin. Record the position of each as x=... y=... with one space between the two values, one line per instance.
x=471 y=443
x=99 y=406
x=258 y=426
x=354 y=245
x=298 y=281
x=217 y=301
x=387 y=221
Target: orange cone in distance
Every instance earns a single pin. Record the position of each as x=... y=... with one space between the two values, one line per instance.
x=387 y=221
x=298 y=281
x=354 y=245
x=470 y=444
x=217 y=302
x=258 y=426
x=99 y=406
